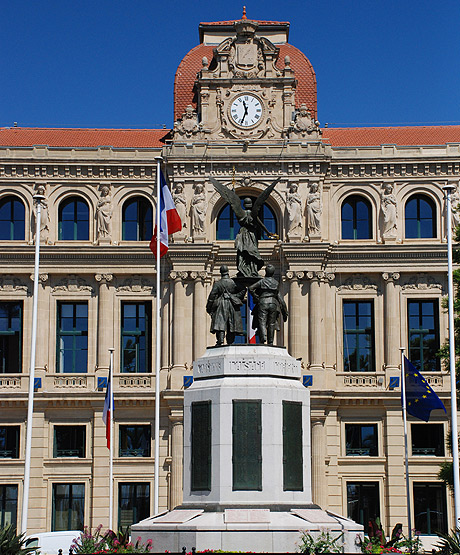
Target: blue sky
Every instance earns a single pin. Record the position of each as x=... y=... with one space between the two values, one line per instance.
x=104 y=63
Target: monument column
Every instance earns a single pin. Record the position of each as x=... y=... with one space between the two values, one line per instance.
x=179 y=334
x=296 y=335
x=104 y=322
x=200 y=319
x=318 y=456
x=392 y=323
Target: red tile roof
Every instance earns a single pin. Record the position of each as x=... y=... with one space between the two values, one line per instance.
x=64 y=137
x=259 y=21
x=191 y=64
x=375 y=136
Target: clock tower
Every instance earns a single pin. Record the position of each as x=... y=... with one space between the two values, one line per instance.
x=247 y=88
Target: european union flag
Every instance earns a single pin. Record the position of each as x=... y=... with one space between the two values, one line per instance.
x=420 y=398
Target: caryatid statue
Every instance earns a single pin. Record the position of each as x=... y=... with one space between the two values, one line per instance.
x=248 y=259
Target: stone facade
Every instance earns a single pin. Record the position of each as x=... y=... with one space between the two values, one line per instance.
x=319 y=265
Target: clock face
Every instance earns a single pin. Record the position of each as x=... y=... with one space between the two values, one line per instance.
x=246 y=110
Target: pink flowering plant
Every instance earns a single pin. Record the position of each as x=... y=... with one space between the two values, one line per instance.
x=97 y=543
x=376 y=542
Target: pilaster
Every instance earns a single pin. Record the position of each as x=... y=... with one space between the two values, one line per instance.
x=105 y=322
x=392 y=321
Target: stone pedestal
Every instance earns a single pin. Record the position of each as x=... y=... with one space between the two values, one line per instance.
x=247 y=459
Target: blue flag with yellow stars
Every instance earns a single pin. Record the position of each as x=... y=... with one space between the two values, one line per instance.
x=420 y=398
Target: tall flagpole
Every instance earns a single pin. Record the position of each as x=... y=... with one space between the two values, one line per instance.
x=30 y=405
x=111 y=427
x=453 y=386
x=157 y=352
x=406 y=455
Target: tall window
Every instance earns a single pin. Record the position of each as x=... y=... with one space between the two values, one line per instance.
x=9 y=442
x=358 y=336
x=68 y=507
x=361 y=440
x=135 y=337
x=73 y=220
x=427 y=439
x=356 y=218
x=8 y=505
x=423 y=324
x=133 y=503
x=69 y=441
x=137 y=220
x=228 y=226
x=72 y=338
x=134 y=441
x=363 y=501
x=10 y=337
x=12 y=219
x=430 y=507
x=420 y=218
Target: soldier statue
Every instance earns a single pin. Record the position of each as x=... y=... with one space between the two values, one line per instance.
x=223 y=305
x=269 y=306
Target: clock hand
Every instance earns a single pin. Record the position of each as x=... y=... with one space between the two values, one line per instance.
x=245 y=112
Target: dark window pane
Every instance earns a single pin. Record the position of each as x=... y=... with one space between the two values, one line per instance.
x=74 y=220
x=8 y=505
x=72 y=338
x=133 y=503
x=10 y=337
x=137 y=218
x=420 y=218
x=247 y=445
x=69 y=441
x=134 y=441
x=363 y=501
x=356 y=218
x=9 y=442
x=430 y=507
x=201 y=447
x=358 y=336
x=424 y=342
x=12 y=219
x=292 y=446
x=427 y=439
x=135 y=337
x=68 y=507
x=361 y=440
x=227 y=225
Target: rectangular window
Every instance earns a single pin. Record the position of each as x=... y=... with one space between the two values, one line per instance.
x=427 y=439
x=135 y=337
x=133 y=503
x=10 y=337
x=430 y=507
x=72 y=338
x=358 y=336
x=68 y=507
x=8 y=505
x=201 y=446
x=361 y=440
x=247 y=445
x=134 y=441
x=292 y=446
x=9 y=442
x=363 y=501
x=423 y=325
x=69 y=441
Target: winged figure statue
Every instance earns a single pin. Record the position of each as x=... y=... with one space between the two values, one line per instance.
x=248 y=259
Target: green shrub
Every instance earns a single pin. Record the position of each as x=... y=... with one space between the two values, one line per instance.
x=11 y=543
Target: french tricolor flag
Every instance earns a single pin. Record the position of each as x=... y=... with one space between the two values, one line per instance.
x=251 y=330
x=106 y=415
x=169 y=219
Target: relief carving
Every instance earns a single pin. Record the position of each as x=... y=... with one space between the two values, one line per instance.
x=314 y=209
x=422 y=282
x=293 y=211
x=188 y=125
x=40 y=189
x=358 y=282
x=180 y=201
x=136 y=284
x=10 y=283
x=304 y=125
x=455 y=206
x=104 y=212
x=198 y=208
x=389 y=211
x=73 y=284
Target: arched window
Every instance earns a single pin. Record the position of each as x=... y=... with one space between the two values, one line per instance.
x=73 y=220
x=137 y=220
x=356 y=218
x=420 y=217
x=12 y=219
x=228 y=226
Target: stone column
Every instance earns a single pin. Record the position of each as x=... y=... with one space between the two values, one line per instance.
x=318 y=466
x=200 y=319
x=317 y=316
x=297 y=334
x=179 y=322
x=392 y=321
x=41 y=357
x=177 y=447
x=104 y=322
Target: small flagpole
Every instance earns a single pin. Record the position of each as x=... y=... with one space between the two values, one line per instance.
x=453 y=386
x=30 y=404
x=156 y=488
x=406 y=455
x=111 y=427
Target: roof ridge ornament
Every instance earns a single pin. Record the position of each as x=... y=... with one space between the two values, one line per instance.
x=244 y=13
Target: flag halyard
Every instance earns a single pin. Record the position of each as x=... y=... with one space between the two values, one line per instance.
x=420 y=397
x=170 y=221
